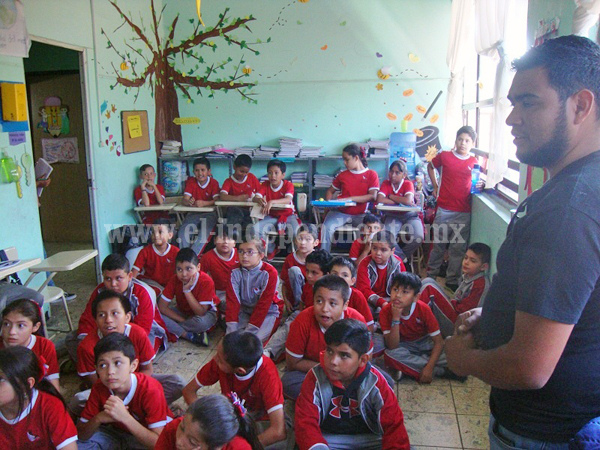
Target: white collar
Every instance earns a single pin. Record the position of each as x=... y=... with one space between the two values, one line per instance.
x=467 y=156
x=164 y=253
x=126 y=332
x=239 y=182
x=32 y=341
x=323 y=330
x=251 y=373
x=412 y=310
x=358 y=172
x=297 y=260
x=277 y=188
x=205 y=184
x=26 y=411
x=399 y=186
x=382 y=267
x=225 y=259
x=132 y=390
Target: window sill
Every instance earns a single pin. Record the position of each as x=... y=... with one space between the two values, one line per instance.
x=497 y=205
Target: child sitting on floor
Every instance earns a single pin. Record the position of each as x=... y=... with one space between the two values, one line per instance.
x=345 y=402
x=149 y=193
x=473 y=286
x=195 y=311
x=239 y=366
x=220 y=262
x=361 y=247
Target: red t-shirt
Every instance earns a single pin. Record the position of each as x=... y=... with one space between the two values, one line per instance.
x=45 y=424
x=159 y=267
x=203 y=291
x=356 y=249
x=219 y=268
x=454 y=193
x=291 y=261
x=206 y=192
x=261 y=388
x=44 y=349
x=150 y=216
x=144 y=351
x=285 y=189
x=168 y=439
x=406 y=187
x=306 y=338
x=248 y=186
x=145 y=401
x=353 y=183
x=359 y=302
x=420 y=322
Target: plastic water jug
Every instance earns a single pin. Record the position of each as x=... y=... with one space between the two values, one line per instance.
x=403 y=145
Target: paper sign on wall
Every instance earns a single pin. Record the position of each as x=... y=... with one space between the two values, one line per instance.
x=134 y=124
x=61 y=150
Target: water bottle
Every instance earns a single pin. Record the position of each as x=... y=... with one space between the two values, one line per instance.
x=402 y=145
x=475 y=179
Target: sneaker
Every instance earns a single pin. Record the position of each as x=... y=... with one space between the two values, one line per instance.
x=69 y=296
x=395 y=374
x=452 y=376
x=200 y=339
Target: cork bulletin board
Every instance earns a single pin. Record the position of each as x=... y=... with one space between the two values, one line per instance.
x=136 y=135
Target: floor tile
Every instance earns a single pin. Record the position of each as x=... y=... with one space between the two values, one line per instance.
x=427 y=447
x=473 y=431
x=432 y=429
x=471 y=400
x=432 y=399
x=472 y=382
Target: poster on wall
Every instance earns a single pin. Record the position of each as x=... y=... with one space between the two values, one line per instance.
x=61 y=150
x=14 y=40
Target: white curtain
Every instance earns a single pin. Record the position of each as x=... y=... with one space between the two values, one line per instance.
x=586 y=15
x=459 y=46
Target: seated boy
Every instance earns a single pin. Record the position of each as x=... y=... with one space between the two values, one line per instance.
x=473 y=286
x=276 y=191
x=239 y=187
x=126 y=409
x=293 y=272
x=196 y=303
x=376 y=271
x=117 y=277
x=361 y=247
x=149 y=193
x=345 y=402
x=411 y=333
x=239 y=366
x=306 y=338
x=155 y=264
x=220 y=261
x=201 y=190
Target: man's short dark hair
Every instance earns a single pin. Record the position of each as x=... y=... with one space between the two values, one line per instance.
x=243 y=161
x=114 y=342
x=352 y=332
x=342 y=261
x=333 y=283
x=278 y=163
x=187 y=255
x=116 y=261
x=242 y=349
x=143 y=167
x=467 y=130
x=482 y=250
x=320 y=257
x=371 y=218
x=108 y=294
x=572 y=63
x=407 y=280
x=203 y=161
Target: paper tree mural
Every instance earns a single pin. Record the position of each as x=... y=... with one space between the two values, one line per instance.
x=150 y=59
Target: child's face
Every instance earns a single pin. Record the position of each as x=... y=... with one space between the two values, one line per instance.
x=185 y=271
x=313 y=273
x=396 y=175
x=148 y=175
x=351 y=162
x=249 y=255
x=161 y=234
x=464 y=144
x=17 y=329
x=189 y=435
x=342 y=363
x=201 y=172
x=345 y=273
x=111 y=317
x=328 y=306
x=117 y=280
x=239 y=173
x=369 y=229
x=221 y=360
x=113 y=369
x=472 y=264
x=305 y=242
x=8 y=396
x=275 y=175
x=403 y=296
x=224 y=245
x=381 y=252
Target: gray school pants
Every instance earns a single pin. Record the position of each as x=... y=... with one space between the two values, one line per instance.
x=446 y=325
x=292 y=383
x=265 y=329
x=412 y=225
x=194 y=324
x=204 y=223
x=352 y=441
x=9 y=292
x=276 y=345
x=411 y=357
x=297 y=282
x=444 y=232
x=110 y=438
x=335 y=220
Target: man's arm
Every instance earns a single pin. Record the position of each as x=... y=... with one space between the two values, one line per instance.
x=276 y=430
x=527 y=361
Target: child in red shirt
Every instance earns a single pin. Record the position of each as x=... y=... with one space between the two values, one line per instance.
x=240 y=187
x=149 y=193
x=239 y=366
x=201 y=190
x=194 y=292
x=293 y=272
x=361 y=247
x=357 y=184
x=219 y=262
x=32 y=416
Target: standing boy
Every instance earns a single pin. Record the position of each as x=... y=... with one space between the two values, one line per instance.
x=149 y=193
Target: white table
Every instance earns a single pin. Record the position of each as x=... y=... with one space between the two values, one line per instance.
x=181 y=211
x=256 y=213
x=397 y=208
x=61 y=262
x=167 y=207
x=21 y=265
x=324 y=204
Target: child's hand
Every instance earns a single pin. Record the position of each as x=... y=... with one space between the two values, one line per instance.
x=396 y=311
x=191 y=201
x=426 y=375
x=144 y=184
x=187 y=286
x=199 y=203
x=104 y=417
x=267 y=207
x=116 y=409
x=150 y=184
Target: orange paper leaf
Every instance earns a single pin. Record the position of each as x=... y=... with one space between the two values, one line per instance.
x=391 y=116
x=434 y=118
x=421 y=109
x=324 y=47
x=408 y=117
x=408 y=92
x=418 y=132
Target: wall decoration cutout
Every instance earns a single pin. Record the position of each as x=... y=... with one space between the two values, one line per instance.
x=14 y=39
x=546 y=29
x=413 y=58
x=391 y=116
x=379 y=86
x=61 y=150
x=55 y=119
x=384 y=72
x=429 y=138
x=26 y=162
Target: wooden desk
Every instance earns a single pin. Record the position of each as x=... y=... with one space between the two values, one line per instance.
x=21 y=265
x=61 y=262
x=142 y=209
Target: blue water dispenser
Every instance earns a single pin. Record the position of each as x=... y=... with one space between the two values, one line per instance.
x=403 y=145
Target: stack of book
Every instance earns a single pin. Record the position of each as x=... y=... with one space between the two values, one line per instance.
x=265 y=150
x=170 y=147
x=197 y=151
x=250 y=151
x=378 y=148
x=290 y=147
x=322 y=181
x=310 y=152
x=299 y=177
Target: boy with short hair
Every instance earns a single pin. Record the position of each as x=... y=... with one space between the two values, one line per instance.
x=220 y=262
x=411 y=333
x=201 y=190
x=472 y=288
x=293 y=272
x=239 y=366
x=149 y=193
x=317 y=266
x=376 y=271
x=306 y=338
x=240 y=187
x=196 y=303
x=361 y=247
x=155 y=263
x=276 y=190
x=125 y=408
x=345 y=402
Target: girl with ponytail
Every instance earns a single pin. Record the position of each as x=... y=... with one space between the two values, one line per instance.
x=357 y=184
x=212 y=422
x=32 y=412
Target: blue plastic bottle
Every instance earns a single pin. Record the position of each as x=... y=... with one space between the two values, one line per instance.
x=475 y=173
x=402 y=145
